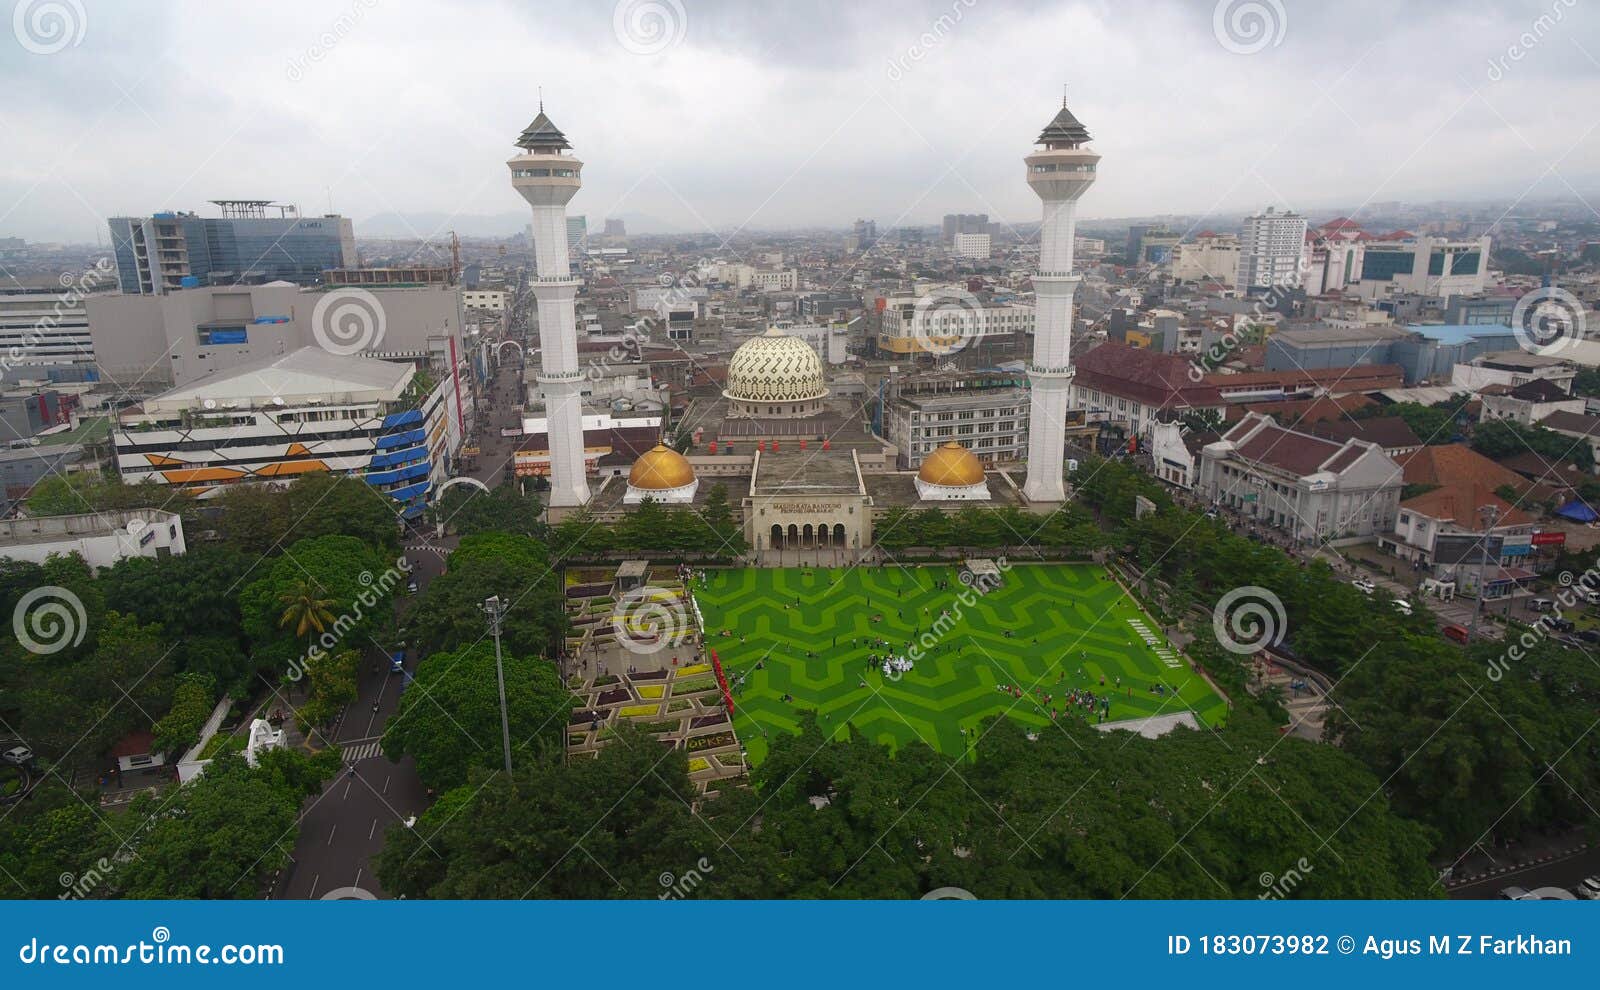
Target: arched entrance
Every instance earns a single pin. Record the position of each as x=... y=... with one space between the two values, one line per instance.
x=807 y=537
x=838 y=534
x=777 y=537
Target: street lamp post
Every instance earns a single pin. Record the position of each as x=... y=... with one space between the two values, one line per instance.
x=496 y=610
x=1490 y=514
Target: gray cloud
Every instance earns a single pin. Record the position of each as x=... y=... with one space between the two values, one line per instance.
x=791 y=114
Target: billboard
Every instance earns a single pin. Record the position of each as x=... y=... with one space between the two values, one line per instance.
x=1464 y=548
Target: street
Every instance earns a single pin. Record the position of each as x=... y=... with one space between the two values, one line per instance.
x=342 y=828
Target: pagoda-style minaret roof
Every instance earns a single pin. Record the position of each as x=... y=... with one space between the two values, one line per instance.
x=1065 y=129
x=542 y=137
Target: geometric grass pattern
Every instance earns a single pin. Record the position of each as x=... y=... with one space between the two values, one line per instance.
x=811 y=631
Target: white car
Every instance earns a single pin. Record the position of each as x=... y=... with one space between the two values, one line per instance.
x=17 y=755
x=1363 y=585
x=1402 y=606
x=1589 y=889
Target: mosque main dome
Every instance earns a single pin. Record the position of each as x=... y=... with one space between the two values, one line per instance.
x=775 y=368
x=951 y=466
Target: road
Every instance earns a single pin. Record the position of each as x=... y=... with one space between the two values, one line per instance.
x=342 y=828
x=1564 y=872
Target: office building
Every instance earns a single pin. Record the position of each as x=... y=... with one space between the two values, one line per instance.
x=986 y=413
x=1209 y=257
x=167 y=251
x=972 y=245
x=944 y=320
x=1402 y=263
x=1271 y=246
x=963 y=223
x=578 y=233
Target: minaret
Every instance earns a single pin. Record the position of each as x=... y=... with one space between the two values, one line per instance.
x=1059 y=172
x=546 y=174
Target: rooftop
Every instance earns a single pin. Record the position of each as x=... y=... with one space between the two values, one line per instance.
x=288 y=379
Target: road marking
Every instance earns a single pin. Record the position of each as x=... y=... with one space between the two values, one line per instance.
x=386 y=785
x=373 y=830
x=331 y=831
x=313 y=894
x=362 y=751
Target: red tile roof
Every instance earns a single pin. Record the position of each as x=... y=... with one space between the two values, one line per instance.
x=1460 y=504
x=1149 y=377
x=1449 y=465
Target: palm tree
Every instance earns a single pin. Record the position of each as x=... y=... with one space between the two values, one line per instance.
x=304 y=611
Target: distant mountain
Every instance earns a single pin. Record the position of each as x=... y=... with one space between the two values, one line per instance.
x=431 y=225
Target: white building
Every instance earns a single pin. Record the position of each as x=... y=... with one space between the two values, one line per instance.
x=781 y=280
x=100 y=538
x=1400 y=263
x=303 y=412
x=943 y=319
x=972 y=245
x=1271 y=246
x=43 y=326
x=1210 y=257
x=1303 y=486
x=488 y=300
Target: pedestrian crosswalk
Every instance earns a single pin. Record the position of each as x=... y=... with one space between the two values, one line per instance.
x=1153 y=641
x=354 y=752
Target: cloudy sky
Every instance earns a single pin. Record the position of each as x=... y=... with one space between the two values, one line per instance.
x=708 y=114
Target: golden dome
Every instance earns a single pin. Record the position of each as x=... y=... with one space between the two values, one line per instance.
x=660 y=469
x=952 y=466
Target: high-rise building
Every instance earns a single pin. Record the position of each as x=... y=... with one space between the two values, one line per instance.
x=616 y=228
x=578 y=233
x=863 y=235
x=1271 y=246
x=1060 y=171
x=547 y=175
x=1136 y=234
x=964 y=223
x=156 y=254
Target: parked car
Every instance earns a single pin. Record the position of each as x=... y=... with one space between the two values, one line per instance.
x=17 y=755
x=1558 y=624
x=1457 y=633
x=1589 y=889
x=1402 y=606
x=1540 y=605
x=1514 y=894
x=1363 y=585
x=1590 y=635
x=411 y=586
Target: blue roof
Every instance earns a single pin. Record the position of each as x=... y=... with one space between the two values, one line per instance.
x=1457 y=333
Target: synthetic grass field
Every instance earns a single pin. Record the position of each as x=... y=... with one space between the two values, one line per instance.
x=1061 y=618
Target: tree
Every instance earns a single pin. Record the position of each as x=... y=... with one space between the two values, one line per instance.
x=504 y=509
x=450 y=614
x=222 y=836
x=332 y=679
x=192 y=700
x=337 y=581
x=263 y=519
x=449 y=716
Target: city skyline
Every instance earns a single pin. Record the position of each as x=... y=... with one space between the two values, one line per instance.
x=675 y=104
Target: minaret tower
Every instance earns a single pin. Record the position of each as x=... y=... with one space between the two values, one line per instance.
x=1059 y=171
x=546 y=174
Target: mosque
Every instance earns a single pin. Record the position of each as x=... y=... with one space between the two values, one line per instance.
x=800 y=465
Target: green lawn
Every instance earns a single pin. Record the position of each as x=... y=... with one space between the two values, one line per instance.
x=1060 y=618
